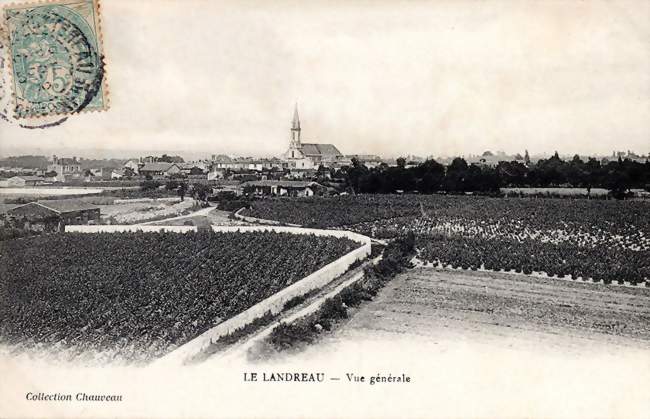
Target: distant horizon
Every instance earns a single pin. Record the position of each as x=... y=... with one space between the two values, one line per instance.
x=206 y=155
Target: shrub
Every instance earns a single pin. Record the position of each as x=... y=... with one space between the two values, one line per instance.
x=285 y=336
x=295 y=301
x=149 y=185
x=333 y=309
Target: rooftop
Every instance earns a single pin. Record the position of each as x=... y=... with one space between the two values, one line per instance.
x=66 y=205
x=313 y=149
x=28 y=178
x=157 y=167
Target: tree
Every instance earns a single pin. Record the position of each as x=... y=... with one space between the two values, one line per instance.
x=201 y=191
x=512 y=173
x=171 y=185
x=430 y=176
x=456 y=175
x=355 y=173
x=149 y=185
x=128 y=172
x=182 y=187
x=401 y=162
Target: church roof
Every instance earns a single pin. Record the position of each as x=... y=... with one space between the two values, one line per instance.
x=320 y=149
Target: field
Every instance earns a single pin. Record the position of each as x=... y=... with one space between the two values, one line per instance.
x=52 y=191
x=605 y=240
x=138 y=211
x=134 y=296
x=504 y=310
x=214 y=217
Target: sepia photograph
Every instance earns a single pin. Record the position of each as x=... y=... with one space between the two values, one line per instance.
x=324 y=209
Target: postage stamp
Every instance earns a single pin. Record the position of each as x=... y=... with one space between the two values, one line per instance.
x=56 y=58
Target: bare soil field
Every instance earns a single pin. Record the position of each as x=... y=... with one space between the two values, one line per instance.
x=137 y=212
x=504 y=309
x=213 y=217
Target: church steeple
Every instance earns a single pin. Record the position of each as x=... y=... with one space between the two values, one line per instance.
x=295 y=125
x=295 y=129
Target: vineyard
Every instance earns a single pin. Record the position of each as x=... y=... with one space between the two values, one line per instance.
x=139 y=295
x=605 y=240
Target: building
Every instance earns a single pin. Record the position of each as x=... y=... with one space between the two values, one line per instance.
x=192 y=168
x=102 y=173
x=369 y=160
x=117 y=174
x=64 y=167
x=308 y=155
x=247 y=163
x=134 y=165
x=281 y=187
x=160 y=170
x=51 y=215
x=216 y=173
x=22 y=181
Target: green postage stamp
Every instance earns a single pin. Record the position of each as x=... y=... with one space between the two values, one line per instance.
x=56 y=58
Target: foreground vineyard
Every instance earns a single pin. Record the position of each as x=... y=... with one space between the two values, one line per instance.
x=601 y=239
x=138 y=295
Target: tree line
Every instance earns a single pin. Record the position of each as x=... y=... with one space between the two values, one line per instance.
x=618 y=176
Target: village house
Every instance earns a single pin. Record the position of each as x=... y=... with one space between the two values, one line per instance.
x=22 y=181
x=160 y=170
x=369 y=160
x=103 y=173
x=227 y=186
x=134 y=165
x=192 y=168
x=65 y=168
x=216 y=173
x=300 y=173
x=281 y=188
x=51 y=215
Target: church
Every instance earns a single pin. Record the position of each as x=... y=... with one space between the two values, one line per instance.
x=309 y=155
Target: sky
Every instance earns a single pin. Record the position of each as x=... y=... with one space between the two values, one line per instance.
x=383 y=77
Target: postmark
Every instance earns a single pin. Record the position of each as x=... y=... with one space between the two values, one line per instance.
x=55 y=53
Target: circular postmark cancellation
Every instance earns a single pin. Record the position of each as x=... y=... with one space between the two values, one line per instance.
x=57 y=65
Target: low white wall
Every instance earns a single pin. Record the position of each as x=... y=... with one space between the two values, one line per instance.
x=239 y=216
x=140 y=200
x=126 y=228
x=276 y=302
